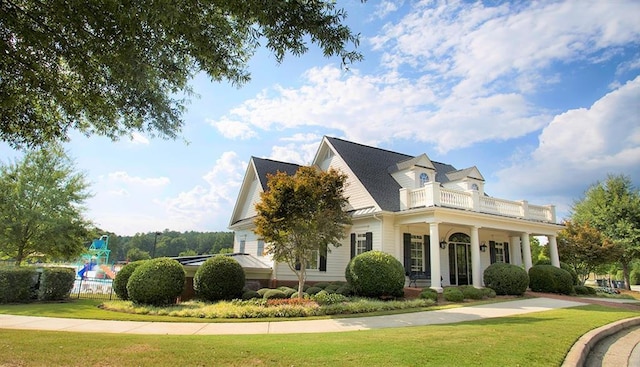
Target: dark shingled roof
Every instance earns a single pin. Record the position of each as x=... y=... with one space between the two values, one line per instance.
x=266 y=166
x=371 y=166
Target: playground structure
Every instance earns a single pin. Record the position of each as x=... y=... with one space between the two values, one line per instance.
x=95 y=262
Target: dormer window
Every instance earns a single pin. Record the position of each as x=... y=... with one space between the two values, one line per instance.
x=475 y=187
x=424 y=178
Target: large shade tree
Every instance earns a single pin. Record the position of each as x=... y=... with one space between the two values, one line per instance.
x=41 y=206
x=114 y=67
x=584 y=248
x=613 y=208
x=300 y=216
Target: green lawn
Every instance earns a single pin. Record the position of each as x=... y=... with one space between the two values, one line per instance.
x=536 y=339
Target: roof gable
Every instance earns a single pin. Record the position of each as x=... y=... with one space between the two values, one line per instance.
x=265 y=167
x=471 y=172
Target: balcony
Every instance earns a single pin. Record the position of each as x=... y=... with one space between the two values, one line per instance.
x=433 y=195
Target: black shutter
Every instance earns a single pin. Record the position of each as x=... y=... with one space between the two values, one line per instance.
x=353 y=245
x=406 y=238
x=323 y=259
x=369 y=241
x=506 y=252
x=492 y=251
x=427 y=255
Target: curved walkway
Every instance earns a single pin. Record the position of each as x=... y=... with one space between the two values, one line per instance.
x=453 y=315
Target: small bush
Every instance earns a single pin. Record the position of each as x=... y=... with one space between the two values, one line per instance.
x=313 y=290
x=295 y=295
x=122 y=278
x=429 y=293
x=288 y=291
x=249 y=294
x=56 y=284
x=345 y=290
x=584 y=290
x=333 y=287
x=453 y=294
x=564 y=266
x=471 y=292
x=326 y=298
x=489 y=293
x=322 y=285
x=262 y=291
x=220 y=277
x=376 y=274
x=156 y=282
x=274 y=293
x=549 y=279
x=506 y=279
x=17 y=285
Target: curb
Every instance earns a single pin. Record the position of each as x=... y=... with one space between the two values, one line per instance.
x=579 y=351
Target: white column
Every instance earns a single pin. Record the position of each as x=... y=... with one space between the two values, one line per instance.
x=516 y=251
x=553 y=251
x=434 y=250
x=475 y=258
x=399 y=245
x=526 y=251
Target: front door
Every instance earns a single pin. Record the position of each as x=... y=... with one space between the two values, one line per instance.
x=460 y=264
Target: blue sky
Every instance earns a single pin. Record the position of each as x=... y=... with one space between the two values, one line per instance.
x=543 y=97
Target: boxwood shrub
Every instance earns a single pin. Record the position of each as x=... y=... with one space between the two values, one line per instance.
x=262 y=291
x=345 y=290
x=506 y=279
x=313 y=290
x=274 y=293
x=376 y=274
x=18 y=285
x=453 y=294
x=122 y=278
x=250 y=294
x=549 y=279
x=219 y=278
x=584 y=290
x=288 y=291
x=564 y=266
x=56 y=283
x=156 y=282
x=471 y=292
x=429 y=293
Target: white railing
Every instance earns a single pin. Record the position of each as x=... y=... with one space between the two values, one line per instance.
x=434 y=195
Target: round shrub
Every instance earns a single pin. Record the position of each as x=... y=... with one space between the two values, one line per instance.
x=584 y=290
x=250 y=294
x=295 y=295
x=429 y=293
x=333 y=287
x=122 y=278
x=345 y=290
x=219 y=278
x=564 y=266
x=288 y=291
x=376 y=274
x=453 y=294
x=156 y=282
x=262 y=291
x=471 y=292
x=313 y=290
x=549 y=279
x=274 y=293
x=489 y=293
x=326 y=298
x=322 y=285
x=506 y=279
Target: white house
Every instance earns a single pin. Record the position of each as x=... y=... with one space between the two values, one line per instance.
x=435 y=219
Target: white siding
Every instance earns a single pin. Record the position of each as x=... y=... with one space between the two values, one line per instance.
x=405 y=179
x=354 y=190
x=253 y=197
x=337 y=261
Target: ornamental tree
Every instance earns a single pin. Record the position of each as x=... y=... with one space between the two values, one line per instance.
x=301 y=216
x=111 y=67
x=41 y=206
x=613 y=208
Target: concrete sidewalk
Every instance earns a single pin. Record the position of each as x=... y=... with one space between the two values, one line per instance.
x=453 y=315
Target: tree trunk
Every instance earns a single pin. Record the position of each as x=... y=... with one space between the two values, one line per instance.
x=626 y=275
x=301 y=278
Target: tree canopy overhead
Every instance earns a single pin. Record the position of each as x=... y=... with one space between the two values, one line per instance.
x=112 y=68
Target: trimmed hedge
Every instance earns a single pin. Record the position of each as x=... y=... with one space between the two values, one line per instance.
x=274 y=293
x=17 y=285
x=506 y=279
x=250 y=294
x=584 y=290
x=549 y=279
x=471 y=292
x=122 y=278
x=219 y=278
x=564 y=266
x=453 y=294
x=156 y=282
x=313 y=290
x=429 y=293
x=376 y=274
x=56 y=284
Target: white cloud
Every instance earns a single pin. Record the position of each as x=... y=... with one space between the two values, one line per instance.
x=137 y=138
x=206 y=205
x=124 y=177
x=383 y=8
x=580 y=147
x=233 y=129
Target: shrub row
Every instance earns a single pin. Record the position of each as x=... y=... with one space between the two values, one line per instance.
x=25 y=284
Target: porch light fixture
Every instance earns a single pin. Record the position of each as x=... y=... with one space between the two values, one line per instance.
x=483 y=247
x=443 y=244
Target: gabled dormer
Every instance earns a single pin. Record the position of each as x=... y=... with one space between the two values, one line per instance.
x=414 y=172
x=466 y=179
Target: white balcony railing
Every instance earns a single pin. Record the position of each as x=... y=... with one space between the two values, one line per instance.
x=434 y=195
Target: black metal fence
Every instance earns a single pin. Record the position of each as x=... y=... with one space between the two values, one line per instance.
x=93 y=289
